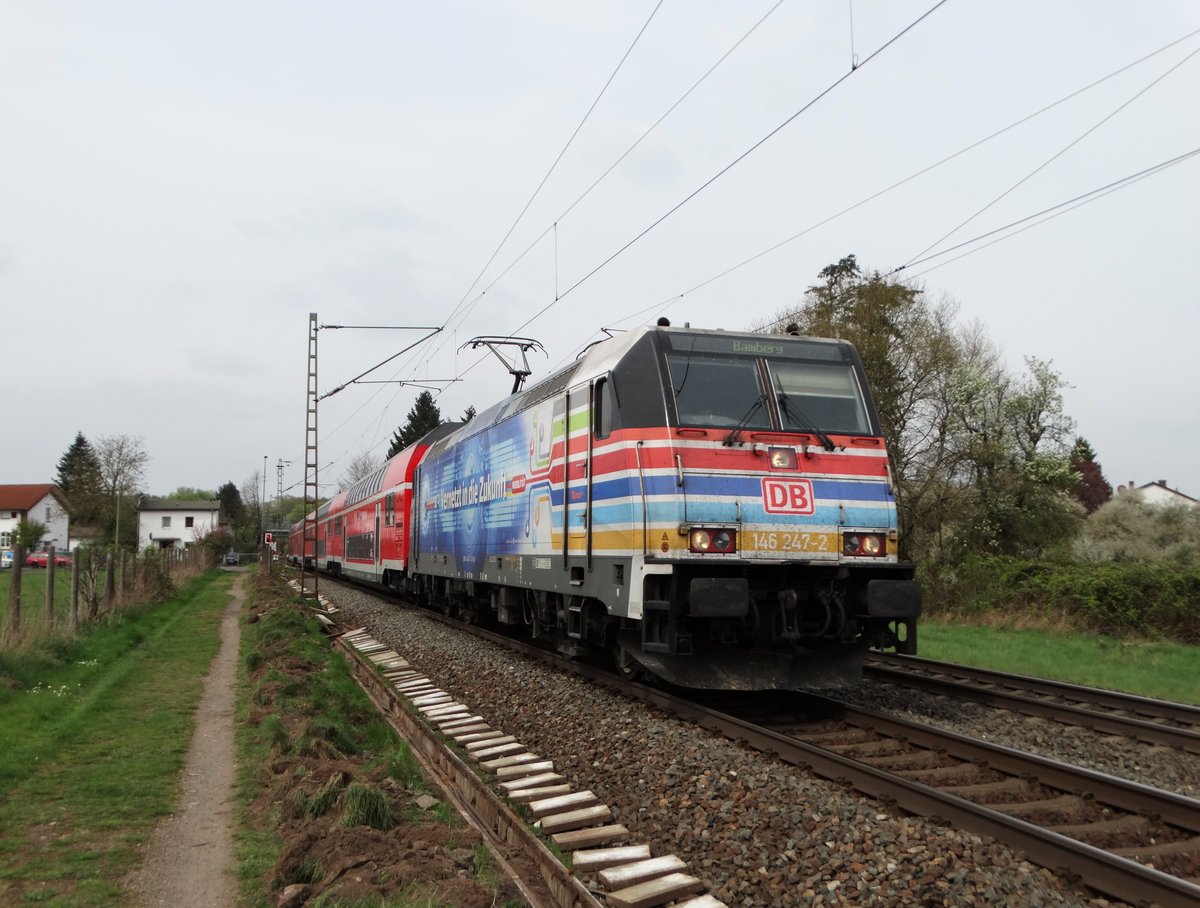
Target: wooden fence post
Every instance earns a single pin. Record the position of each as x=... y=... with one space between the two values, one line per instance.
x=14 y=594
x=93 y=588
x=50 y=587
x=75 y=589
x=110 y=591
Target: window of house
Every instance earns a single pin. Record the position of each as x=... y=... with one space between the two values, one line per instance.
x=166 y=522
x=48 y=517
x=5 y=540
x=189 y=522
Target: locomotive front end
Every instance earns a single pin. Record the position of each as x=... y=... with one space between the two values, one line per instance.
x=777 y=539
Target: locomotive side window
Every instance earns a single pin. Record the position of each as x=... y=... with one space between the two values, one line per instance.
x=602 y=408
x=717 y=391
x=819 y=396
x=389 y=509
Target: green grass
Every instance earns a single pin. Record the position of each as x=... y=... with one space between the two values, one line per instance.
x=96 y=731
x=1168 y=671
x=33 y=599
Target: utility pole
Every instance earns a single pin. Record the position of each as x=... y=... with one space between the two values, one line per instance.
x=309 y=554
x=279 y=476
x=308 y=544
x=262 y=509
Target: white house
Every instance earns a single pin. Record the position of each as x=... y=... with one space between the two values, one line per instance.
x=1158 y=493
x=42 y=502
x=165 y=523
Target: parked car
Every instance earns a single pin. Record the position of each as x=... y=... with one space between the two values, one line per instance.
x=40 y=559
x=6 y=559
x=233 y=558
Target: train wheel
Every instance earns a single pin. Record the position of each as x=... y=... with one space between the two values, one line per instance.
x=627 y=667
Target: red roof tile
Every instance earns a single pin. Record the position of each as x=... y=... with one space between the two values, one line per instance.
x=24 y=497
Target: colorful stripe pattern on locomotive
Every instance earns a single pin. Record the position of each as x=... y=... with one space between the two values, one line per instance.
x=498 y=489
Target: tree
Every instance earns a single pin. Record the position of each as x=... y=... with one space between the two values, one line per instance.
x=360 y=467
x=1010 y=436
x=980 y=456
x=187 y=493
x=1091 y=489
x=231 y=504
x=122 y=462
x=909 y=349
x=29 y=534
x=469 y=413
x=1127 y=529
x=254 y=514
x=79 y=478
x=423 y=418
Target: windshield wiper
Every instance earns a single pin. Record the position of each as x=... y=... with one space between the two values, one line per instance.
x=732 y=438
x=796 y=415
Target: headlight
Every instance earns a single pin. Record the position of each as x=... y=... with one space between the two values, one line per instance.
x=720 y=540
x=781 y=458
x=864 y=545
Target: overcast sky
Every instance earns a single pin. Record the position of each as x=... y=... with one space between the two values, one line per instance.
x=182 y=183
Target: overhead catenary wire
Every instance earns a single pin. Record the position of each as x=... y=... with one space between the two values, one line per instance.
x=724 y=170
x=1054 y=157
x=1030 y=221
x=596 y=182
x=663 y=304
x=1054 y=211
x=554 y=165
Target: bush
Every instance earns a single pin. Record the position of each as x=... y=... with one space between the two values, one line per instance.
x=1116 y=598
x=1127 y=529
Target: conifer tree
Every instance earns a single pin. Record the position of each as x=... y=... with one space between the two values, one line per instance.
x=80 y=479
x=423 y=418
x=1092 y=489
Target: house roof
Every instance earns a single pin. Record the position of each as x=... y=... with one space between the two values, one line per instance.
x=1162 y=484
x=170 y=504
x=24 y=497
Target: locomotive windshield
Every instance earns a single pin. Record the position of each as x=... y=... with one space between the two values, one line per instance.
x=819 y=396
x=784 y=385
x=718 y=391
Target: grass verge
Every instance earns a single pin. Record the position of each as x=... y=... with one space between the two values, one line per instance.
x=329 y=798
x=96 y=730
x=1169 y=671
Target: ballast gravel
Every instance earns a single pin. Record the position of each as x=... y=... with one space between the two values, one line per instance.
x=757 y=831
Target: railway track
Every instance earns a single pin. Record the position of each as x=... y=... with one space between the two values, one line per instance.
x=1125 y=840
x=1144 y=719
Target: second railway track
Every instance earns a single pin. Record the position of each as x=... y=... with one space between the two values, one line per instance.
x=1110 y=712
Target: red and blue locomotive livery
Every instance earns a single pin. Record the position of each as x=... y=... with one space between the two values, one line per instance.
x=714 y=508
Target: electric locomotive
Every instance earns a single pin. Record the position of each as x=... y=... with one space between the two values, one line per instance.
x=714 y=508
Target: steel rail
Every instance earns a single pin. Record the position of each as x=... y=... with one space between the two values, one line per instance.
x=962 y=681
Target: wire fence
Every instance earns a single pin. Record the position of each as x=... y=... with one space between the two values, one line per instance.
x=86 y=586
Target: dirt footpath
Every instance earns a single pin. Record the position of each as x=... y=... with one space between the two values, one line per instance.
x=189 y=859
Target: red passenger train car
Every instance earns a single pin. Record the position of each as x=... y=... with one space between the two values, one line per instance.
x=362 y=532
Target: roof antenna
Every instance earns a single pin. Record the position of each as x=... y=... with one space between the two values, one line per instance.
x=524 y=345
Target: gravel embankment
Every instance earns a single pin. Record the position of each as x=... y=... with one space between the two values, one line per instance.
x=759 y=832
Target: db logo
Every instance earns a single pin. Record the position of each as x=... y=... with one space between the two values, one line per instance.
x=787 y=496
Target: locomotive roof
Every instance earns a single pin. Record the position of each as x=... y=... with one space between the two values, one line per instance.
x=594 y=361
